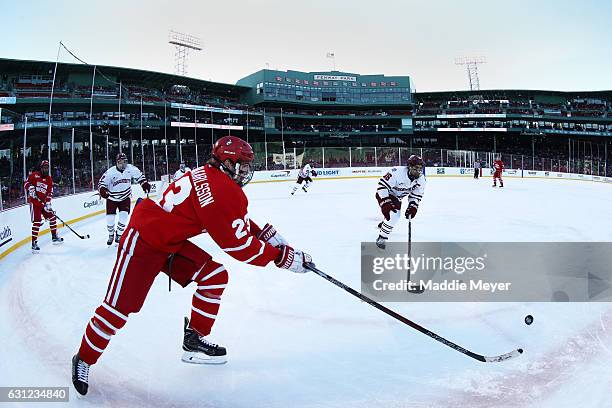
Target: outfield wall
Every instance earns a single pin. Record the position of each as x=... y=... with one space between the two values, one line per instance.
x=374 y=172
x=15 y=226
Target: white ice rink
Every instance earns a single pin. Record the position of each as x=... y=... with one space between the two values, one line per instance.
x=297 y=340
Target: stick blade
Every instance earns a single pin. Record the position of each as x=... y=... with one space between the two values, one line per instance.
x=503 y=357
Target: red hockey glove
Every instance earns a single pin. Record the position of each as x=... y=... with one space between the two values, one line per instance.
x=104 y=193
x=146 y=187
x=292 y=259
x=388 y=205
x=411 y=211
x=268 y=234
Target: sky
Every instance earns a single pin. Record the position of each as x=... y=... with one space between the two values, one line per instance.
x=537 y=44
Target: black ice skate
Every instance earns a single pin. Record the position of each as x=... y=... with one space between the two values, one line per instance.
x=198 y=350
x=381 y=242
x=111 y=238
x=117 y=238
x=80 y=375
x=57 y=240
x=35 y=247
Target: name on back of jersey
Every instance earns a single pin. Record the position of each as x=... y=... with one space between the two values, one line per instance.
x=200 y=181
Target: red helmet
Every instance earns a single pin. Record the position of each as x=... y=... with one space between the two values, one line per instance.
x=43 y=164
x=239 y=153
x=415 y=166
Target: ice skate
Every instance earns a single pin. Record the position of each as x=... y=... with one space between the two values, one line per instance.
x=80 y=375
x=57 y=240
x=381 y=242
x=198 y=350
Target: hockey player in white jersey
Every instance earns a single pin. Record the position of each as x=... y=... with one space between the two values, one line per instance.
x=181 y=171
x=392 y=188
x=115 y=186
x=304 y=176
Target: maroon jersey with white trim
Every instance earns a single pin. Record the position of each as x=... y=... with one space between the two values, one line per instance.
x=203 y=200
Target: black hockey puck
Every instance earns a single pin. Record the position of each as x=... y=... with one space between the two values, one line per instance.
x=528 y=319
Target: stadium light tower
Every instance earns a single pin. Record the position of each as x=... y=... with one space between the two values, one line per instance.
x=471 y=64
x=183 y=43
x=332 y=56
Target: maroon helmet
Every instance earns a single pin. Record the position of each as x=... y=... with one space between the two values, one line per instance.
x=121 y=161
x=240 y=155
x=415 y=166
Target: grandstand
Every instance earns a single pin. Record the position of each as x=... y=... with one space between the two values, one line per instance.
x=336 y=118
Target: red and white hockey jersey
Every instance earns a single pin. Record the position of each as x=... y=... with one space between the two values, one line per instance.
x=498 y=166
x=397 y=183
x=203 y=200
x=42 y=185
x=180 y=173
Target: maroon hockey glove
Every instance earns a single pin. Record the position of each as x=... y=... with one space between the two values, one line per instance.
x=411 y=211
x=268 y=234
x=388 y=205
x=104 y=192
x=292 y=259
x=146 y=187
x=314 y=173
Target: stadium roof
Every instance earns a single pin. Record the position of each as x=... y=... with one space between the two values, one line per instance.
x=124 y=74
x=514 y=93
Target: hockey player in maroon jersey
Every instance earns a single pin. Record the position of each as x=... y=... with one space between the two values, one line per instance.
x=116 y=187
x=498 y=168
x=208 y=199
x=39 y=190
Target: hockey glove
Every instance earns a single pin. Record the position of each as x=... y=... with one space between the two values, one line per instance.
x=48 y=208
x=292 y=259
x=104 y=193
x=268 y=234
x=314 y=173
x=411 y=211
x=388 y=205
x=146 y=187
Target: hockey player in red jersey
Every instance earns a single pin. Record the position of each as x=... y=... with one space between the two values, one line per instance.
x=208 y=199
x=39 y=190
x=498 y=168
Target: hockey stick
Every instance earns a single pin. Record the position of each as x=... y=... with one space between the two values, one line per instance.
x=64 y=222
x=479 y=357
x=70 y=228
x=419 y=289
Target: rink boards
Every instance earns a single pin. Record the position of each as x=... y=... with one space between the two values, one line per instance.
x=15 y=226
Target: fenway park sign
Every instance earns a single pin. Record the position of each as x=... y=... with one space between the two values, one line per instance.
x=335 y=78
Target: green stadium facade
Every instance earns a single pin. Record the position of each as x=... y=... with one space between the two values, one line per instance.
x=160 y=119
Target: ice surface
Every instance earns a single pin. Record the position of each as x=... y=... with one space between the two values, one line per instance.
x=298 y=341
